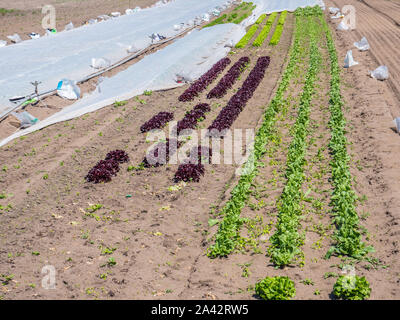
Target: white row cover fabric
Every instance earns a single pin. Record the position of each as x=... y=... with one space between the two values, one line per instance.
x=192 y=55
x=269 y=6
x=69 y=54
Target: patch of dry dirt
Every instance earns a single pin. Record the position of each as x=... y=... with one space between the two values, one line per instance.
x=26 y=16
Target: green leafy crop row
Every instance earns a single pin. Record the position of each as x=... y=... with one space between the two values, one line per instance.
x=348 y=236
x=278 y=30
x=265 y=30
x=219 y=20
x=238 y=14
x=248 y=9
x=261 y=18
x=246 y=38
x=286 y=241
x=227 y=239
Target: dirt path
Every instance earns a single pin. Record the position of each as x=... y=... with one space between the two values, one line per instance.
x=387 y=8
x=371 y=106
x=378 y=22
x=24 y=17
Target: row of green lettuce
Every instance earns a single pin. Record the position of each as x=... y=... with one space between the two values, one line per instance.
x=227 y=237
x=265 y=30
x=286 y=242
x=237 y=15
x=348 y=237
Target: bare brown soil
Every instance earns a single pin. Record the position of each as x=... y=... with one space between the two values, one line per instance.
x=26 y=16
x=378 y=21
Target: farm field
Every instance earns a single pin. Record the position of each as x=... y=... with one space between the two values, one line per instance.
x=25 y=17
x=321 y=201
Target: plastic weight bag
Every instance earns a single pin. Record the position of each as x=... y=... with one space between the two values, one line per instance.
x=69 y=26
x=3 y=43
x=229 y=44
x=34 y=35
x=380 y=73
x=333 y=10
x=342 y=26
x=397 y=124
x=98 y=85
x=177 y=27
x=100 y=63
x=104 y=17
x=362 y=45
x=337 y=16
x=205 y=17
x=68 y=89
x=15 y=38
x=133 y=48
x=25 y=118
x=349 y=61
x=216 y=12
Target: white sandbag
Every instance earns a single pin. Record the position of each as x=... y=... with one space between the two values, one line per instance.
x=99 y=81
x=100 y=63
x=229 y=44
x=92 y=21
x=333 y=10
x=137 y=9
x=342 y=26
x=177 y=27
x=205 y=17
x=68 y=89
x=3 y=43
x=115 y=14
x=128 y=11
x=362 y=45
x=380 y=73
x=133 y=48
x=337 y=16
x=15 y=38
x=50 y=32
x=34 y=35
x=69 y=26
x=216 y=12
x=349 y=61
x=397 y=124
x=25 y=118
x=104 y=17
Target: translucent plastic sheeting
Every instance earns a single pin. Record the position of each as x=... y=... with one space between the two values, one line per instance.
x=269 y=6
x=68 y=54
x=192 y=55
